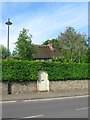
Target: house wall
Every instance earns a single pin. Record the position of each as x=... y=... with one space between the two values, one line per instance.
x=26 y=87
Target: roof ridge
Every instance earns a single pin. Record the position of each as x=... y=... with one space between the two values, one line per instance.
x=43 y=46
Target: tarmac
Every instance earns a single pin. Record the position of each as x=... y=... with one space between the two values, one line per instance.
x=42 y=95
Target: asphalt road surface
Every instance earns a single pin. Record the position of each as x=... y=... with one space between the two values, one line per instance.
x=70 y=107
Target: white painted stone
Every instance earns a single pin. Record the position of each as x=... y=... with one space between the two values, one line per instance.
x=43 y=82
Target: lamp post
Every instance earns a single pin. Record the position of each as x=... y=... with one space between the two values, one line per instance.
x=9 y=83
x=8 y=23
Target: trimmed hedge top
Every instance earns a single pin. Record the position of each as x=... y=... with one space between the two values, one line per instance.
x=20 y=70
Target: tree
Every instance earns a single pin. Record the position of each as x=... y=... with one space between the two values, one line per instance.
x=15 y=54
x=4 y=52
x=72 y=44
x=88 y=55
x=24 y=47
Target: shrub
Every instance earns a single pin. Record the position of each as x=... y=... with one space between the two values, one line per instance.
x=20 y=70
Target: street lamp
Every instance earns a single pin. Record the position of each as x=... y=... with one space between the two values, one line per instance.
x=8 y=23
x=9 y=83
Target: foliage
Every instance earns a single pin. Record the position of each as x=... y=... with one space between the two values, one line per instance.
x=84 y=59
x=72 y=44
x=24 y=47
x=21 y=70
x=4 y=52
x=14 y=54
x=88 y=54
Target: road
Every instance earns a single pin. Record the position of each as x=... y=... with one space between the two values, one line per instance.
x=70 y=107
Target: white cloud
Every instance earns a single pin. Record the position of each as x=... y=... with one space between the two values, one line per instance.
x=45 y=25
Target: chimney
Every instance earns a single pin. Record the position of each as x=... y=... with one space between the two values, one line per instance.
x=50 y=45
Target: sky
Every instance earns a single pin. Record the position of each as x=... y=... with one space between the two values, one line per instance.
x=45 y=20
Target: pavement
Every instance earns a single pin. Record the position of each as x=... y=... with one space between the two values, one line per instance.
x=42 y=95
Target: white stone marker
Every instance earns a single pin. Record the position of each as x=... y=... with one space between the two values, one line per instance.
x=43 y=82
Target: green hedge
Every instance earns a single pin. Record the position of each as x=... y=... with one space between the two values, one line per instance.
x=20 y=70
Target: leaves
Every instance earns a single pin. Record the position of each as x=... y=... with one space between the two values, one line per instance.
x=73 y=45
x=24 y=70
x=24 y=46
x=4 y=52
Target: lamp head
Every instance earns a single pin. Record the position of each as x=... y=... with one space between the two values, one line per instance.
x=8 y=23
